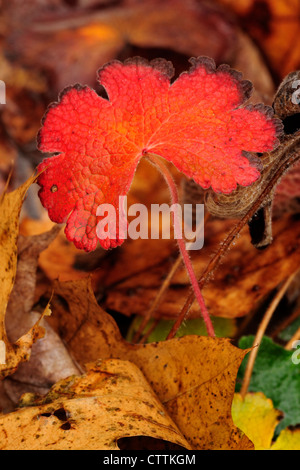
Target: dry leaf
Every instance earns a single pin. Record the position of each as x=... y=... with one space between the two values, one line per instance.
x=194 y=377
x=57 y=41
x=49 y=360
x=29 y=249
x=240 y=283
x=10 y=207
x=287 y=197
x=111 y=401
x=275 y=27
x=8 y=155
x=57 y=260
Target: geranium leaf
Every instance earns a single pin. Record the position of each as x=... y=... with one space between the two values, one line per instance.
x=197 y=123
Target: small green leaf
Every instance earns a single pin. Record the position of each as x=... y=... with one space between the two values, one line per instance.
x=224 y=328
x=276 y=376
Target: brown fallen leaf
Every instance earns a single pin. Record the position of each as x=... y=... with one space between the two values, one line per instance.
x=58 y=40
x=239 y=285
x=275 y=27
x=111 y=401
x=287 y=198
x=10 y=207
x=8 y=155
x=49 y=360
x=194 y=377
x=26 y=99
x=250 y=61
x=29 y=249
x=58 y=259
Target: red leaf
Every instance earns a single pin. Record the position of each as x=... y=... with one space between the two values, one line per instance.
x=196 y=123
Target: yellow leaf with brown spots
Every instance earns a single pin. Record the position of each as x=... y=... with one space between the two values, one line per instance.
x=194 y=377
x=111 y=401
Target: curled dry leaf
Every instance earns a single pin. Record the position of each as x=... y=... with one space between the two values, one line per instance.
x=29 y=249
x=111 y=401
x=194 y=377
x=49 y=360
x=10 y=207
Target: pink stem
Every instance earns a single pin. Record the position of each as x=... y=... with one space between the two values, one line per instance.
x=181 y=243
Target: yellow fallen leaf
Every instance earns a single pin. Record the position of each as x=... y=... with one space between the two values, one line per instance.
x=288 y=439
x=111 y=401
x=193 y=376
x=257 y=417
x=10 y=207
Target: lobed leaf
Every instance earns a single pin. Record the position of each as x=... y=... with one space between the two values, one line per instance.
x=197 y=123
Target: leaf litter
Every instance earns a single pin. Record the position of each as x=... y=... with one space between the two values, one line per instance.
x=49 y=59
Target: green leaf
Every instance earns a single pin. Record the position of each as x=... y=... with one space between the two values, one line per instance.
x=224 y=328
x=276 y=376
